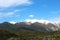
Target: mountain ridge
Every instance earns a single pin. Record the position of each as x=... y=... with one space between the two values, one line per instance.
x=37 y=25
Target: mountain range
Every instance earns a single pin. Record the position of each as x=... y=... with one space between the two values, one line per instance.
x=33 y=25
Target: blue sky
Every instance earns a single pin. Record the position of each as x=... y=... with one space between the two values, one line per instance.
x=18 y=10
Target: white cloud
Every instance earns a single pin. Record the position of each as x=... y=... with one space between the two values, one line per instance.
x=31 y=16
x=2 y=15
x=17 y=10
x=9 y=14
x=37 y=20
x=12 y=22
x=8 y=3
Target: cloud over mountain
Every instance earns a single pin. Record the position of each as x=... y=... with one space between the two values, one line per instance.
x=37 y=20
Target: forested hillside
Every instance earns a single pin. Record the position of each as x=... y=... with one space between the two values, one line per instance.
x=22 y=31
